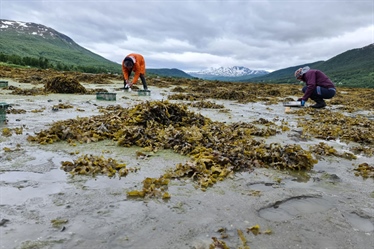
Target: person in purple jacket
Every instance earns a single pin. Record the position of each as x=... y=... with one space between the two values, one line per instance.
x=318 y=86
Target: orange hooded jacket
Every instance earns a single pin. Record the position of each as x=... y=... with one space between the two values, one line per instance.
x=138 y=68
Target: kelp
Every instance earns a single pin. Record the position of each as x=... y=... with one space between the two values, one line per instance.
x=28 y=92
x=322 y=149
x=364 y=150
x=365 y=170
x=62 y=106
x=329 y=125
x=152 y=187
x=218 y=244
x=217 y=150
x=255 y=230
x=207 y=104
x=41 y=76
x=346 y=99
x=12 y=110
x=96 y=165
x=64 y=84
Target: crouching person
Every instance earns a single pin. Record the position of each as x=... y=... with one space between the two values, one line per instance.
x=318 y=86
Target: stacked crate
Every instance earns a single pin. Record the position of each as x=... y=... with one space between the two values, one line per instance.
x=3 y=84
x=3 y=107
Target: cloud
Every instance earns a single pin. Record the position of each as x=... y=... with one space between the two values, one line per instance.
x=196 y=34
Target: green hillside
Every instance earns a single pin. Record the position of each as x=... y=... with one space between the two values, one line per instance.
x=55 y=49
x=169 y=73
x=353 y=68
x=40 y=46
x=284 y=75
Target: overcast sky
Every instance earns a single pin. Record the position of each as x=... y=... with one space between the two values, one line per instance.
x=197 y=34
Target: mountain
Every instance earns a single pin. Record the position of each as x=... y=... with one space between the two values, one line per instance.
x=235 y=73
x=167 y=72
x=354 y=68
x=285 y=75
x=26 y=39
x=25 y=43
x=20 y=41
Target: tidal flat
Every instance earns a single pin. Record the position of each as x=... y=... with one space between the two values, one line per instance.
x=194 y=165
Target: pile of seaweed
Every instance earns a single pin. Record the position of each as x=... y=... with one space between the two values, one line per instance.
x=64 y=84
x=216 y=149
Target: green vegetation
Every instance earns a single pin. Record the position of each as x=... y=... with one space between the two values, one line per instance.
x=354 y=68
x=169 y=73
x=61 y=53
x=57 y=51
x=44 y=63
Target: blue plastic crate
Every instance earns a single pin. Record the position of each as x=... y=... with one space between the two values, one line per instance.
x=144 y=93
x=3 y=83
x=106 y=96
x=3 y=107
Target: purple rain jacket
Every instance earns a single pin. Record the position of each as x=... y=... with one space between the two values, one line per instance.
x=314 y=78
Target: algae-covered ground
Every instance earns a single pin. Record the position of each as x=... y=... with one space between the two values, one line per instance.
x=194 y=165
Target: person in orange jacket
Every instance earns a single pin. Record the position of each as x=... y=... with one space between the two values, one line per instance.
x=133 y=62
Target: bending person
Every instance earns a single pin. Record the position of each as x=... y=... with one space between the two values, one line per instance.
x=133 y=62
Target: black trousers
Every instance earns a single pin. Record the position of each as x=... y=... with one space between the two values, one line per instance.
x=142 y=78
x=321 y=93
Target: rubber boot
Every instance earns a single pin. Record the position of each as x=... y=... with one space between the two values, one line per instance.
x=143 y=82
x=145 y=85
x=320 y=103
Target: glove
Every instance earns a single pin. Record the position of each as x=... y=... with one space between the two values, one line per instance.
x=302 y=101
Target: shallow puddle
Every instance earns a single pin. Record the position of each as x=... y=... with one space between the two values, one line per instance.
x=359 y=222
x=293 y=207
x=21 y=186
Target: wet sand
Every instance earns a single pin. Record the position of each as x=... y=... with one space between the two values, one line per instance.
x=41 y=206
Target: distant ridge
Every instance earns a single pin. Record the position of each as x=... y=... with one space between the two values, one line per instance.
x=354 y=67
x=228 y=73
x=167 y=72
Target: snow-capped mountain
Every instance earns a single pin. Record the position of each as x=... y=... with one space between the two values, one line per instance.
x=228 y=73
x=235 y=71
x=28 y=28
